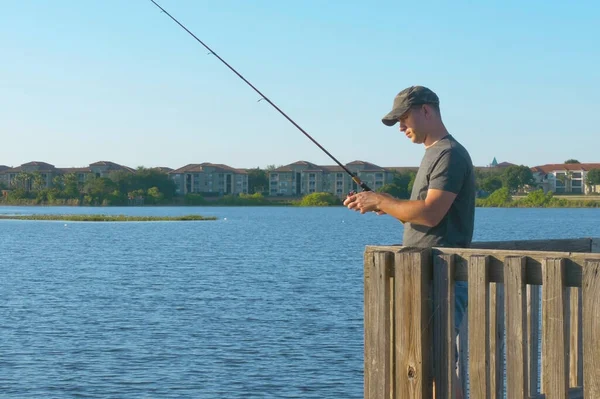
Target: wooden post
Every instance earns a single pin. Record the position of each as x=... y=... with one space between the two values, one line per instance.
x=413 y=328
x=555 y=342
x=516 y=327
x=443 y=325
x=378 y=375
x=591 y=329
x=533 y=330
x=497 y=340
x=479 y=336
x=575 y=337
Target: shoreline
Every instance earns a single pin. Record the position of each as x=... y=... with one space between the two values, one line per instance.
x=108 y=218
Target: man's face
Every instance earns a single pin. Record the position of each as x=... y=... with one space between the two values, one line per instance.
x=412 y=124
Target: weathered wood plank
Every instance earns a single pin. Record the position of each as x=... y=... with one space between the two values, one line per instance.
x=561 y=245
x=533 y=330
x=516 y=327
x=413 y=333
x=575 y=337
x=573 y=263
x=443 y=326
x=554 y=330
x=377 y=321
x=591 y=329
x=463 y=353
x=479 y=353
x=574 y=393
x=496 y=340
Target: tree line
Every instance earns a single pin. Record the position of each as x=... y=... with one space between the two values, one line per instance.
x=152 y=186
x=514 y=179
x=146 y=185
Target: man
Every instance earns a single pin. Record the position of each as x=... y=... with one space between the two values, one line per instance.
x=441 y=209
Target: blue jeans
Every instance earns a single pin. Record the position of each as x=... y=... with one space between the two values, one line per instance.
x=461 y=295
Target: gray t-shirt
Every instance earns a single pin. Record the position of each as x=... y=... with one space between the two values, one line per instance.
x=445 y=166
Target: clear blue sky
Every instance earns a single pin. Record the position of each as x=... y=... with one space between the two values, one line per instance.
x=84 y=81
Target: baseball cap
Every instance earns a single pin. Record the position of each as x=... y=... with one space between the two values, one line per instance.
x=414 y=95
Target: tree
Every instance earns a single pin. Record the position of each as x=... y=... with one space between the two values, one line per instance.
x=568 y=161
x=565 y=179
x=401 y=185
x=155 y=196
x=99 y=189
x=593 y=179
x=22 y=181
x=144 y=179
x=498 y=198
x=491 y=184
x=258 y=181
x=320 y=199
x=58 y=182
x=39 y=183
x=71 y=185
x=516 y=177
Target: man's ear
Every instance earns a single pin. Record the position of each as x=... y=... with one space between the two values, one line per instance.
x=428 y=111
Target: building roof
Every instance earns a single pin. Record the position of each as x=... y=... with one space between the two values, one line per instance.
x=111 y=166
x=200 y=168
x=75 y=170
x=310 y=167
x=368 y=166
x=40 y=167
x=4 y=167
x=164 y=169
x=556 y=167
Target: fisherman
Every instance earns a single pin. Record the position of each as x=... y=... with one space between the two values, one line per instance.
x=441 y=209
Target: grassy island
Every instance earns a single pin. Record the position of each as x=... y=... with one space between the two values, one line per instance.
x=108 y=218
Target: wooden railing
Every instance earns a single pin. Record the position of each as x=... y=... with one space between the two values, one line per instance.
x=409 y=320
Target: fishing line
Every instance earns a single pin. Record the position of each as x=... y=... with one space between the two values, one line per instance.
x=263 y=97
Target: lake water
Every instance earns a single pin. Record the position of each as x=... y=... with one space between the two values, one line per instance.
x=265 y=302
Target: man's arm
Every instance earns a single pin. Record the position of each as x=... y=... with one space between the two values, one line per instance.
x=428 y=212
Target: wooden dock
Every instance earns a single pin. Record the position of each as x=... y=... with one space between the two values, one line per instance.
x=520 y=293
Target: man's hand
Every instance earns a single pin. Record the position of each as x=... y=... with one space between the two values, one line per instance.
x=365 y=201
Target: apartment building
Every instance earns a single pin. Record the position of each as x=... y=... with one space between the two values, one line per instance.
x=297 y=178
x=46 y=172
x=208 y=178
x=23 y=175
x=302 y=177
x=3 y=176
x=564 y=178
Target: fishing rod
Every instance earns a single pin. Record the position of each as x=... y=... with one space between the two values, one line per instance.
x=263 y=97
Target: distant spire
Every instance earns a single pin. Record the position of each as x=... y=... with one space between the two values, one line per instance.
x=494 y=162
